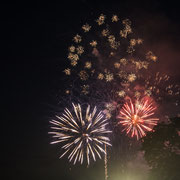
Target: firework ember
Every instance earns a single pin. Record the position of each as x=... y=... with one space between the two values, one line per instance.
x=82 y=136
x=138 y=117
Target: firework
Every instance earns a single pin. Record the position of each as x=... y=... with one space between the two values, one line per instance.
x=103 y=53
x=81 y=136
x=160 y=85
x=138 y=117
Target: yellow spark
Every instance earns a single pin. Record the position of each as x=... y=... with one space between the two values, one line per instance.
x=170 y=92
x=110 y=106
x=141 y=64
x=126 y=22
x=117 y=65
x=115 y=18
x=105 y=32
x=100 y=76
x=114 y=45
x=123 y=33
x=121 y=93
x=111 y=38
x=121 y=74
x=127 y=29
x=85 y=89
x=72 y=56
x=138 y=64
x=93 y=43
x=73 y=63
x=148 y=92
x=67 y=91
x=132 y=42
x=72 y=48
x=67 y=71
x=93 y=71
x=77 y=38
x=88 y=65
x=80 y=50
x=130 y=49
x=131 y=77
x=108 y=115
x=123 y=61
x=83 y=75
x=145 y=64
x=154 y=58
x=139 y=41
x=101 y=19
x=111 y=54
x=137 y=94
x=86 y=27
x=109 y=77
x=151 y=56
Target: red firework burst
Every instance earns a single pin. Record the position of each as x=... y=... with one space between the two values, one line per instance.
x=137 y=118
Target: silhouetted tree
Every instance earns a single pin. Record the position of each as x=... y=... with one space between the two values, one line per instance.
x=162 y=151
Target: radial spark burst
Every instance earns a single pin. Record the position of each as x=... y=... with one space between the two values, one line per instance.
x=137 y=118
x=82 y=136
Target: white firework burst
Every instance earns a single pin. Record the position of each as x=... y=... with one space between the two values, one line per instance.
x=83 y=136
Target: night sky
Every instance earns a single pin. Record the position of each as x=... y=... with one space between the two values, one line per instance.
x=35 y=37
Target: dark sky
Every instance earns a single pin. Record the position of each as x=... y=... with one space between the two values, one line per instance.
x=35 y=37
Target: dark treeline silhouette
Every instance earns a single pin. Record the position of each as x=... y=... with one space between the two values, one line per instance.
x=162 y=150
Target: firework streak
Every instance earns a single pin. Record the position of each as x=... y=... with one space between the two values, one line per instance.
x=137 y=118
x=82 y=136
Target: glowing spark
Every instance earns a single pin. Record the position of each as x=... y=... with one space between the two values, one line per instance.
x=117 y=65
x=110 y=106
x=105 y=32
x=73 y=57
x=123 y=61
x=127 y=29
x=137 y=94
x=74 y=63
x=121 y=93
x=72 y=48
x=101 y=19
x=88 y=65
x=108 y=115
x=67 y=71
x=137 y=117
x=109 y=77
x=141 y=64
x=132 y=42
x=85 y=89
x=139 y=41
x=93 y=43
x=83 y=75
x=86 y=27
x=115 y=18
x=151 y=56
x=148 y=92
x=77 y=38
x=131 y=77
x=67 y=91
x=80 y=50
x=100 y=76
x=83 y=136
x=126 y=22
x=111 y=38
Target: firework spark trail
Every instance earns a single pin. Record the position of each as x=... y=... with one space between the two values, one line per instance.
x=105 y=164
x=137 y=117
x=83 y=136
